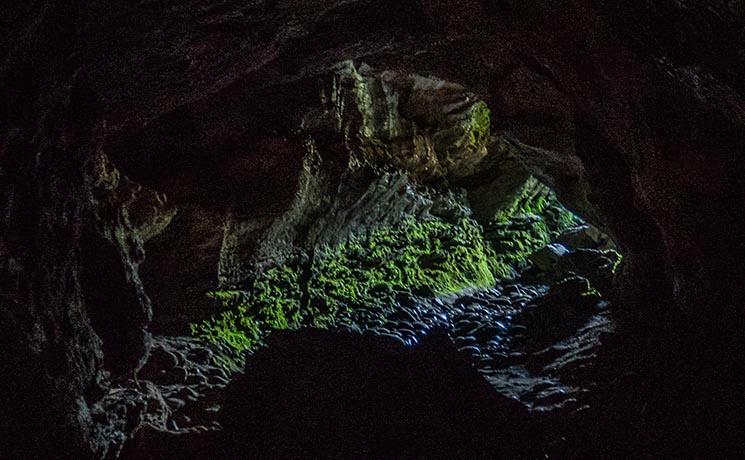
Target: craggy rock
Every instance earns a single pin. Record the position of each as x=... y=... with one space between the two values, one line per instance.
x=584 y=237
x=188 y=250
x=52 y=358
x=632 y=111
x=111 y=252
x=554 y=316
x=589 y=87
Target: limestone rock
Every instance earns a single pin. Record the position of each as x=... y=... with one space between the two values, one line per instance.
x=547 y=259
x=584 y=237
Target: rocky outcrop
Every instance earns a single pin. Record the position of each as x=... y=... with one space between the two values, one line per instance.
x=65 y=225
x=111 y=250
x=188 y=252
x=52 y=357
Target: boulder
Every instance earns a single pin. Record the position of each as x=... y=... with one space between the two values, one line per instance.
x=547 y=258
x=326 y=394
x=585 y=236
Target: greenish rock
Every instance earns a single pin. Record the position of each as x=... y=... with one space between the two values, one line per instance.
x=271 y=301
x=429 y=128
x=433 y=254
x=390 y=222
x=365 y=271
x=585 y=236
x=532 y=220
x=547 y=258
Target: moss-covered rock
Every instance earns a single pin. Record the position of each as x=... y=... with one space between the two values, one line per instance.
x=270 y=301
x=432 y=254
x=533 y=219
x=374 y=264
x=357 y=239
x=367 y=270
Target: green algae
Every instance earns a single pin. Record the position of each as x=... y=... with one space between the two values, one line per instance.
x=479 y=127
x=529 y=222
x=431 y=255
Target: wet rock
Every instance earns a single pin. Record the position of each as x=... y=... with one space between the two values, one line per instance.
x=584 y=237
x=472 y=350
x=547 y=258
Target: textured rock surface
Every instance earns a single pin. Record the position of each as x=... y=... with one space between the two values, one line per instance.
x=52 y=357
x=633 y=112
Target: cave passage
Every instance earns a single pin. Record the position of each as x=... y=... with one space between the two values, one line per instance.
x=422 y=225
x=372 y=229
x=524 y=298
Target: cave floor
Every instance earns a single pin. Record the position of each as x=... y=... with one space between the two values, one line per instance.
x=527 y=348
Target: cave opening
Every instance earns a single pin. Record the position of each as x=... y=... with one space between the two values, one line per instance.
x=392 y=211
x=322 y=229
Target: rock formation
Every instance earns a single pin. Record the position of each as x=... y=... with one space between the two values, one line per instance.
x=183 y=128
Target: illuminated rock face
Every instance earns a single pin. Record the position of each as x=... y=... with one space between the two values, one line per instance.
x=634 y=114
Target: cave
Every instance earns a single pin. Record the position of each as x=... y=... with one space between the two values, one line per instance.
x=334 y=229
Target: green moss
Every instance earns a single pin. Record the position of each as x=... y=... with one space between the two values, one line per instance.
x=480 y=126
x=430 y=255
x=433 y=255
x=271 y=301
x=533 y=219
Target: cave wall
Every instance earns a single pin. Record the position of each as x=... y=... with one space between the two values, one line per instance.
x=642 y=105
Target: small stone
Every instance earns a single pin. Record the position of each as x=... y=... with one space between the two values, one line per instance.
x=395 y=337
x=196 y=379
x=407 y=332
x=190 y=394
x=518 y=329
x=468 y=339
x=178 y=374
x=471 y=349
x=516 y=356
x=201 y=355
x=583 y=237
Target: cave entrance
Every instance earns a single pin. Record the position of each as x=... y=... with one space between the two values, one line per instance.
x=523 y=294
x=395 y=212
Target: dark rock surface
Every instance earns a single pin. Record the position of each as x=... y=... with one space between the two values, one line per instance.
x=346 y=395
x=505 y=331
x=394 y=381
x=633 y=112
x=171 y=409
